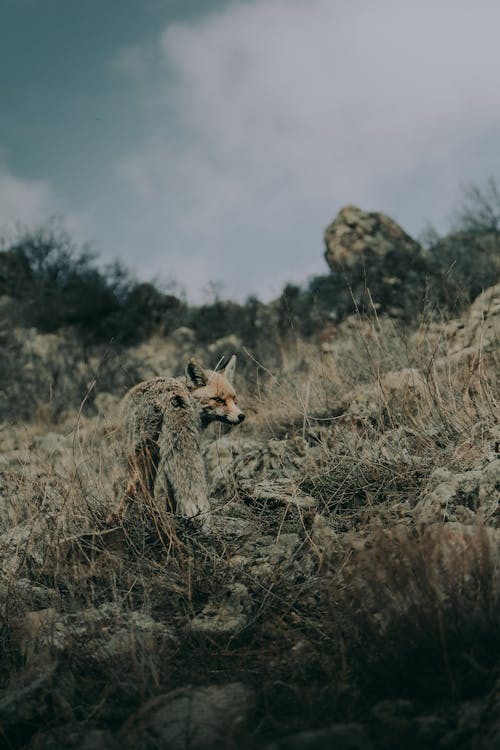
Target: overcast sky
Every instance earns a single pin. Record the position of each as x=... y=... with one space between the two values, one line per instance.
x=213 y=140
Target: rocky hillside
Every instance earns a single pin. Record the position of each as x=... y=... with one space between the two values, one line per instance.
x=349 y=596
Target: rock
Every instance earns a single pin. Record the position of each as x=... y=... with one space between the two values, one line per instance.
x=278 y=556
x=465 y=350
x=31 y=699
x=106 y=633
x=27 y=545
x=226 y=615
x=198 y=718
x=356 y=235
x=27 y=594
x=460 y=496
x=395 y=724
x=73 y=736
x=335 y=737
x=220 y=456
x=480 y=326
x=370 y=250
x=257 y=470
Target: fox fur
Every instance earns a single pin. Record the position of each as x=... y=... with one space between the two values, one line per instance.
x=163 y=419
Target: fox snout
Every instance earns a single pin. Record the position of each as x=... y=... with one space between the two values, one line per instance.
x=227 y=410
x=235 y=418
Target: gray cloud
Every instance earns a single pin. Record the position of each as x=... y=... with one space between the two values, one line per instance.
x=275 y=113
x=25 y=201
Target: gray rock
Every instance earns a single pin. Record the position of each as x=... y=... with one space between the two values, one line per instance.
x=357 y=236
x=371 y=251
x=458 y=497
x=32 y=697
x=74 y=737
x=26 y=545
x=479 y=329
x=335 y=737
x=225 y=615
x=106 y=633
x=198 y=718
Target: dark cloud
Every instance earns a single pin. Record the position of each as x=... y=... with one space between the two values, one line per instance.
x=261 y=119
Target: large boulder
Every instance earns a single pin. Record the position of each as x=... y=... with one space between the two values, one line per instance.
x=355 y=235
x=378 y=261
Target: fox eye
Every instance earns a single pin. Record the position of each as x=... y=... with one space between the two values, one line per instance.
x=219 y=400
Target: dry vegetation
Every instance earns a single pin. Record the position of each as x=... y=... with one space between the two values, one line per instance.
x=350 y=592
x=349 y=595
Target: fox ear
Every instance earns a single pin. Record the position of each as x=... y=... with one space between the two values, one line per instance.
x=196 y=373
x=230 y=368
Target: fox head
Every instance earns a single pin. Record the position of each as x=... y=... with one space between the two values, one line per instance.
x=214 y=392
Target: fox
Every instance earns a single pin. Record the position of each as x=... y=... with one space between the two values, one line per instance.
x=163 y=419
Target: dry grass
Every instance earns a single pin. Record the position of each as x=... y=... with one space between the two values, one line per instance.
x=346 y=605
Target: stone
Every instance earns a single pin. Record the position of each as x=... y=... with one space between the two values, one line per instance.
x=370 y=251
x=108 y=632
x=201 y=718
x=226 y=615
x=336 y=737
x=459 y=497
x=356 y=235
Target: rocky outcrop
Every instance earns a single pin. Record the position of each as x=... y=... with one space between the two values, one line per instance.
x=479 y=329
x=357 y=236
x=463 y=497
x=378 y=262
